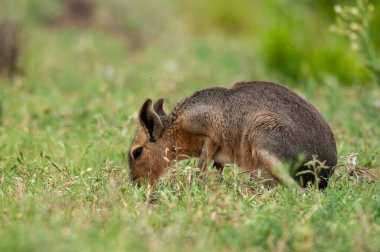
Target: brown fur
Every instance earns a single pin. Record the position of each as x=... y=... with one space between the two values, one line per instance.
x=256 y=125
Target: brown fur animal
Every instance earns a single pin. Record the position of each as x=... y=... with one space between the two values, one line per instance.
x=256 y=125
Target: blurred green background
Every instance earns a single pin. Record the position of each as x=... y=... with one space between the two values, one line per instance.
x=209 y=41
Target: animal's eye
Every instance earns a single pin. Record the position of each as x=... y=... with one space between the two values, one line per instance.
x=137 y=152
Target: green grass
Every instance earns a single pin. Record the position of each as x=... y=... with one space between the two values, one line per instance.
x=67 y=122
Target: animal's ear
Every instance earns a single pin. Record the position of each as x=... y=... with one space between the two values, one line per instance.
x=150 y=120
x=158 y=107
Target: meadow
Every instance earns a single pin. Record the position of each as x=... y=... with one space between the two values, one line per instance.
x=66 y=122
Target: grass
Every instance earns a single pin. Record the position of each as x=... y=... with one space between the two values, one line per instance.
x=68 y=120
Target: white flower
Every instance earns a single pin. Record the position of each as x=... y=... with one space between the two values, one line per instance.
x=353 y=36
x=354 y=11
x=338 y=9
x=352 y=159
x=354 y=46
x=355 y=27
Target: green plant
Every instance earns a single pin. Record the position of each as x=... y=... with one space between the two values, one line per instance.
x=353 y=22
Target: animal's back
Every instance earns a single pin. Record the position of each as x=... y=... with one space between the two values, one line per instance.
x=264 y=116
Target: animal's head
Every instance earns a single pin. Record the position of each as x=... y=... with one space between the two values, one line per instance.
x=150 y=146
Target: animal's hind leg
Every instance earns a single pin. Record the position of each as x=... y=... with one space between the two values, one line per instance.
x=274 y=166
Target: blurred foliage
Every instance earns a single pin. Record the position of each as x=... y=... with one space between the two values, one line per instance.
x=353 y=23
x=286 y=41
x=291 y=39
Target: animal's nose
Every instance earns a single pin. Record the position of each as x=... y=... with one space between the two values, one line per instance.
x=132 y=178
x=135 y=181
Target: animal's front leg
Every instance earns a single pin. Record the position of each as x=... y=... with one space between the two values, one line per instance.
x=208 y=151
